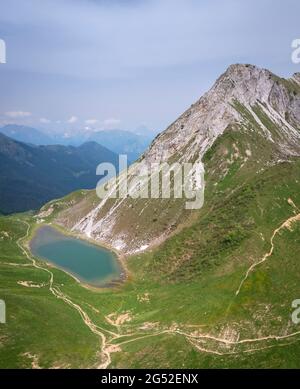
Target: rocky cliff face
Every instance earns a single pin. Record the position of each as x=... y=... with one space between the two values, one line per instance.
x=244 y=98
x=200 y=125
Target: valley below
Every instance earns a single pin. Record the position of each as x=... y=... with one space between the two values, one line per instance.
x=128 y=323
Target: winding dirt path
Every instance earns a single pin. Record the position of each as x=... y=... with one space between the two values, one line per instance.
x=194 y=338
x=286 y=224
x=109 y=339
x=58 y=294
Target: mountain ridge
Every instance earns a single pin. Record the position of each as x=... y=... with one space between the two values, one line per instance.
x=32 y=175
x=119 y=141
x=26 y=134
x=244 y=98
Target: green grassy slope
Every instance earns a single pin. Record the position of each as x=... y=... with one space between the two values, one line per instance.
x=179 y=307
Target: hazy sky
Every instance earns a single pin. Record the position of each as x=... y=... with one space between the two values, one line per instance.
x=125 y=63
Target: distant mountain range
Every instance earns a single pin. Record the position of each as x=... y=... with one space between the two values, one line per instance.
x=122 y=142
x=32 y=175
x=119 y=141
x=26 y=134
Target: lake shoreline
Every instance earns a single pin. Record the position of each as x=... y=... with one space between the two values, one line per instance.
x=113 y=283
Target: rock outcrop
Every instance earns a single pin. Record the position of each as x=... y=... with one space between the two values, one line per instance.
x=244 y=97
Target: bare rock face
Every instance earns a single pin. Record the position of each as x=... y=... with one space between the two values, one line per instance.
x=245 y=96
x=210 y=116
x=296 y=77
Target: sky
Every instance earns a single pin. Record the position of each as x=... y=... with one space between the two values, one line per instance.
x=95 y=64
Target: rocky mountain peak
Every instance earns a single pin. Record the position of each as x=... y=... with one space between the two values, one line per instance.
x=247 y=83
x=239 y=70
x=245 y=98
x=208 y=118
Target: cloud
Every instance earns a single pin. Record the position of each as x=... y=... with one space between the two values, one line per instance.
x=18 y=114
x=111 y=122
x=91 y=121
x=73 y=119
x=145 y=39
x=45 y=121
x=130 y=58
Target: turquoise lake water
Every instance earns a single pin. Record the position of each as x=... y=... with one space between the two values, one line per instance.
x=91 y=264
